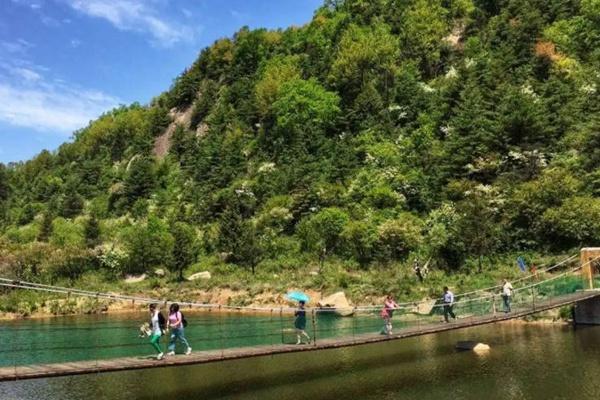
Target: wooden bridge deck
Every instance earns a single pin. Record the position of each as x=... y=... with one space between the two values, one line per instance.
x=134 y=363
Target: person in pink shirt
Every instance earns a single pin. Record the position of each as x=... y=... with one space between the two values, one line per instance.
x=389 y=305
x=176 y=323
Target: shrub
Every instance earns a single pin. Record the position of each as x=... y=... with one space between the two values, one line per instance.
x=398 y=237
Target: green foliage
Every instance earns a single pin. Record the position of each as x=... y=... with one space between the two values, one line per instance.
x=303 y=112
x=66 y=233
x=275 y=74
x=576 y=222
x=91 y=231
x=360 y=238
x=149 y=245
x=45 y=227
x=185 y=248
x=320 y=233
x=140 y=179
x=398 y=237
x=451 y=130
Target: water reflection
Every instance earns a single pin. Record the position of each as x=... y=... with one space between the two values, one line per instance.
x=525 y=362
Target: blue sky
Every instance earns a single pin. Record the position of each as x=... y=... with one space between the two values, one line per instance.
x=64 y=62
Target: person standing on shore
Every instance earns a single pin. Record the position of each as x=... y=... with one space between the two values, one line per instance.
x=507 y=291
x=300 y=323
x=448 y=299
x=417 y=269
x=157 y=323
x=176 y=323
x=389 y=305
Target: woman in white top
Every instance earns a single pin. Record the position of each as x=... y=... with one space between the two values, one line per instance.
x=157 y=320
x=507 y=291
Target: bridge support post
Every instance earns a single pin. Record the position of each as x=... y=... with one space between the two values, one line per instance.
x=590 y=258
x=587 y=312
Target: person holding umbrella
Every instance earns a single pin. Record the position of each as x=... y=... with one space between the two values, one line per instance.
x=300 y=323
x=300 y=316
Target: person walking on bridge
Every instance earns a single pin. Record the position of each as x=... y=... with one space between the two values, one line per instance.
x=300 y=323
x=157 y=325
x=176 y=322
x=507 y=291
x=389 y=305
x=448 y=299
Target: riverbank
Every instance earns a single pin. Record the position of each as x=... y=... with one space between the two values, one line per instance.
x=235 y=287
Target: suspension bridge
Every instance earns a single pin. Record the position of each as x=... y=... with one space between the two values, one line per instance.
x=219 y=333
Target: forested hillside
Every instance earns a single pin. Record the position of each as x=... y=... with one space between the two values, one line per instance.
x=381 y=131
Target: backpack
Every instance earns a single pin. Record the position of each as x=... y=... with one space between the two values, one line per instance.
x=183 y=320
x=162 y=323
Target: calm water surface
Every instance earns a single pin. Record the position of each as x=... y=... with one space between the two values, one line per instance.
x=525 y=362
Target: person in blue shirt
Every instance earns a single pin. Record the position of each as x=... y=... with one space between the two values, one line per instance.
x=448 y=304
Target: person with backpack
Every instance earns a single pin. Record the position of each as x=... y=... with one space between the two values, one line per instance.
x=177 y=322
x=157 y=326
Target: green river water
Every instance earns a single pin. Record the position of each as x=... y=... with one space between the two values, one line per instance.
x=525 y=362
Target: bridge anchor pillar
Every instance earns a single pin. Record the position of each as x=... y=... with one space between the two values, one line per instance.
x=587 y=312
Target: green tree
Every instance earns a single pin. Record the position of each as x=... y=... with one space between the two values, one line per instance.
x=365 y=54
x=275 y=74
x=140 y=179
x=360 y=238
x=185 y=248
x=397 y=237
x=71 y=203
x=91 y=231
x=149 y=245
x=45 y=227
x=303 y=111
x=320 y=233
x=4 y=186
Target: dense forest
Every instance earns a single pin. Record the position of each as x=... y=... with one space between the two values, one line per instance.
x=381 y=131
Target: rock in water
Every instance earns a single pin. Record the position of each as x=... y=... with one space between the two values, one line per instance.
x=471 y=345
x=339 y=303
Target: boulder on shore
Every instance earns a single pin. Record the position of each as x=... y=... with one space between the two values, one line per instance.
x=134 y=278
x=425 y=307
x=199 y=275
x=338 y=302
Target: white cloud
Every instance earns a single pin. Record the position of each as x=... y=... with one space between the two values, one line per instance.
x=50 y=107
x=18 y=46
x=137 y=16
x=31 y=97
x=26 y=74
x=75 y=43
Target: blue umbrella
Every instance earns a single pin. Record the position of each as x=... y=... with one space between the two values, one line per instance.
x=297 y=296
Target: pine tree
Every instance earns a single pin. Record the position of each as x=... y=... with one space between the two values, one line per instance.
x=185 y=248
x=46 y=227
x=92 y=232
x=140 y=179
